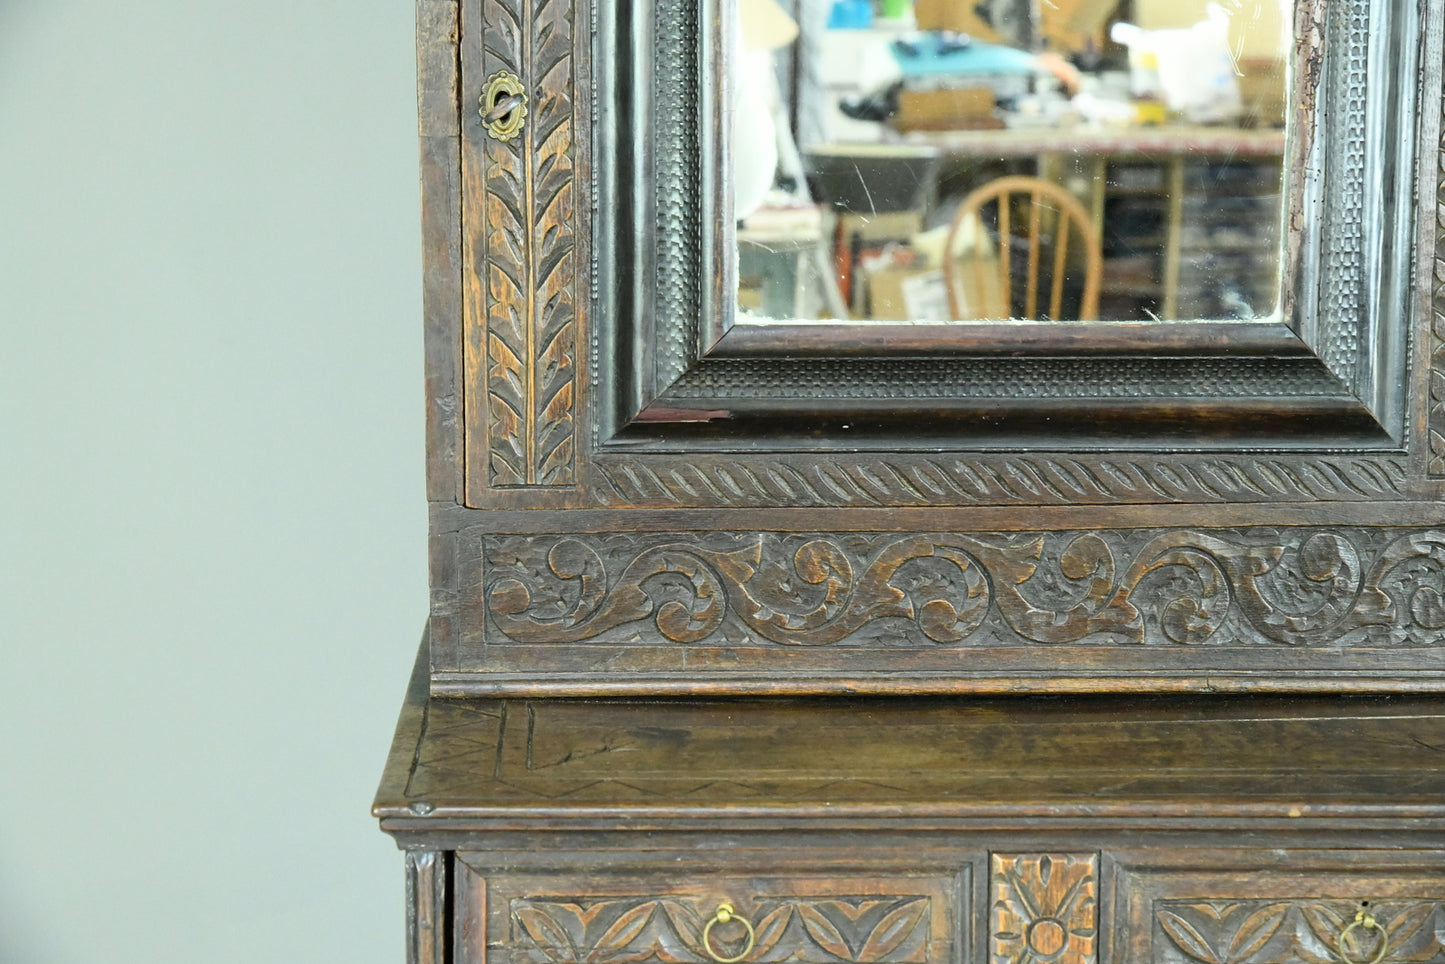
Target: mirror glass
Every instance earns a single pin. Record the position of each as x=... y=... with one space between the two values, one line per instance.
x=991 y=160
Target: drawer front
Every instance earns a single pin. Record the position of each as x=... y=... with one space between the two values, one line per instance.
x=1193 y=906
x=1363 y=908
x=708 y=920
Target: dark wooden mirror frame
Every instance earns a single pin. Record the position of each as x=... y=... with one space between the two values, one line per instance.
x=630 y=496
x=687 y=379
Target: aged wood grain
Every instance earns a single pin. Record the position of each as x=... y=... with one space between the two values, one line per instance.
x=1043 y=908
x=437 y=25
x=426 y=891
x=442 y=313
x=1294 y=759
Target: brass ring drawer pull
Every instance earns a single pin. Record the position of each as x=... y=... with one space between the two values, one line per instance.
x=1367 y=922
x=724 y=914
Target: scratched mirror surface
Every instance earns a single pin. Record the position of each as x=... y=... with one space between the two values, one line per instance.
x=995 y=160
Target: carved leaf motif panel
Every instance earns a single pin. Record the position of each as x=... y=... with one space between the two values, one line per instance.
x=1043 y=908
x=620 y=930
x=1296 y=932
x=1286 y=587
x=528 y=359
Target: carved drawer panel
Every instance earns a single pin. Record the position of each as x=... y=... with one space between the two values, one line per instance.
x=1361 y=908
x=606 y=919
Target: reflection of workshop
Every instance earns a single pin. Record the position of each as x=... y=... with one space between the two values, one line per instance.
x=867 y=130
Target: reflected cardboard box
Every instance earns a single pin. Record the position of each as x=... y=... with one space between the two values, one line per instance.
x=919 y=294
x=947 y=109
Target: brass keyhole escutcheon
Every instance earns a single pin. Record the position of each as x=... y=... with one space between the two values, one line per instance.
x=1365 y=921
x=724 y=914
x=503 y=105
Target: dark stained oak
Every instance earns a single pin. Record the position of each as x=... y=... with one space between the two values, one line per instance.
x=632 y=496
x=1132 y=760
x=975 y=644
x=1070 y=830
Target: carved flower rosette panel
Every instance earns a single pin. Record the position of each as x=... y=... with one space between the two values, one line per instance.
x=1277 y=587
x=1297 y=932
x=1043 y=908
x=620 y=930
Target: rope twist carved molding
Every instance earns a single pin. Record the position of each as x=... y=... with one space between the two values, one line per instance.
x=1295 y=931
x=1284 y=587
x=1000 y=480
x=859 y=930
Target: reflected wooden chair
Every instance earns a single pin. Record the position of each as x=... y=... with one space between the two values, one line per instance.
x=1035 y=220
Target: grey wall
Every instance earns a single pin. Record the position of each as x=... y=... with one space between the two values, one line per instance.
x=212 y=566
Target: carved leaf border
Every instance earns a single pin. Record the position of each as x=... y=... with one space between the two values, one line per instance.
x=529 y=213
x=1294 y=931
x=628 y=930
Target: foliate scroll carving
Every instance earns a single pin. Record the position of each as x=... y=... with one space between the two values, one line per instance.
x=1295 y=931
x=859 y=930
x=1043 y=908
x=1282 y=587
x=529 y=240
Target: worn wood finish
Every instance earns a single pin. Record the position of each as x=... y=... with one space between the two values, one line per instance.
x=1266 y=608
x=522 y=352
x=427 y=912
x=631 y=498
x=580 y=363
x=1332 y=321
x=1142 y=762
x=1199 y=905
x=1043 y=908
x=1206 y=912
x=1180 y=831
x=860 y=921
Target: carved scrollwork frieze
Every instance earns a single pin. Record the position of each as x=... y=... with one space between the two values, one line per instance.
x=1267 y=587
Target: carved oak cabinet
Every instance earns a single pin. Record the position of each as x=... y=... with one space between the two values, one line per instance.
x=1084 y=643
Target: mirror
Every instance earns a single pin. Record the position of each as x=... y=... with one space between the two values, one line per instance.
x=992 y=160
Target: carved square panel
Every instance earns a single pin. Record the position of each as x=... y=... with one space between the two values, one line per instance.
x=1043 y=908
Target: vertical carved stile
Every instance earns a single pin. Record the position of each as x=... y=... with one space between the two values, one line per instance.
x=1436 y=463
x=529 y=241
x=1043 y=908
x=426 y=907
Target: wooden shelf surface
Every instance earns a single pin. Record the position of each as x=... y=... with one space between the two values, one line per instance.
x=1141 y=760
